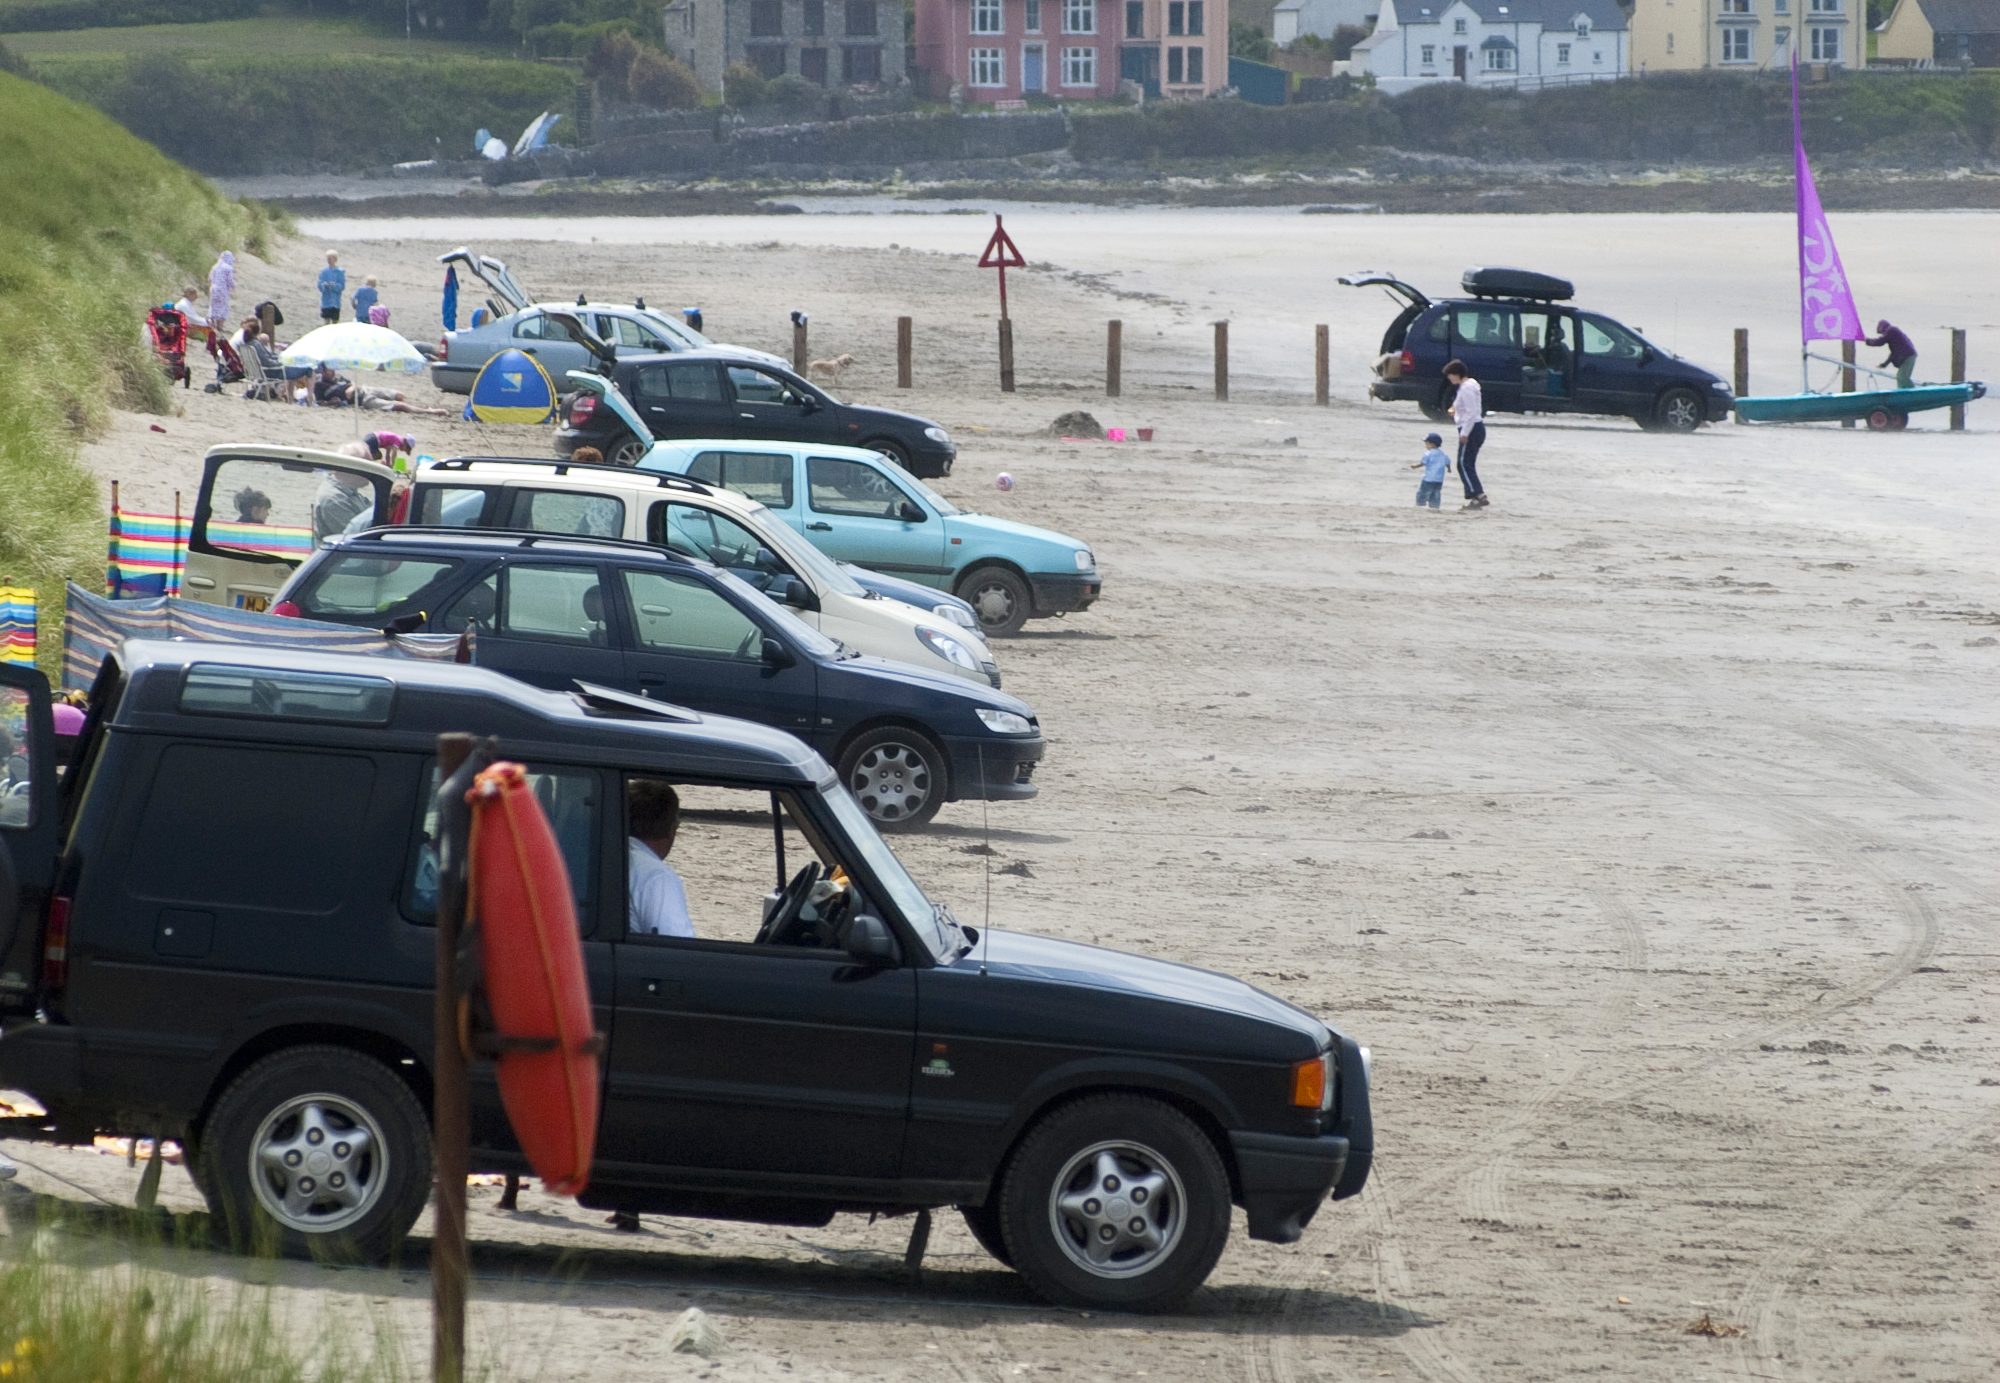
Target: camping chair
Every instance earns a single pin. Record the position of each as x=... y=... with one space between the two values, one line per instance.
x=259 y=381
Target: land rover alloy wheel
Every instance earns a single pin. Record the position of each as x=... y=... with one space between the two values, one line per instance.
x=320 y=1151
x=1115 y=1201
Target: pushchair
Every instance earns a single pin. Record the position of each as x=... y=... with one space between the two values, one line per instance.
x=228 y=364
x=167 y=333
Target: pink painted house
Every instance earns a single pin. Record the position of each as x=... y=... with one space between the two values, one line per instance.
x=1077 y=50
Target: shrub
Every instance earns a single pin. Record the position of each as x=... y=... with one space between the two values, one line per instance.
x=663 y=82
x=42 y=16
x=610 y=62
x=743 y=85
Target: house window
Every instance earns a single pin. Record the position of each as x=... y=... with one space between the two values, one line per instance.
x=1194 y=18
x=1458 y=26
x=1194 y=61
x=1135 y=18
x=1736 y=6
x=1670 y=43
x=1174 y=67
x=768 y=59
x=986 y=17
x=812 y=65
x=1562 y=55
x=1176 y=19
x=1499 y=59
x=1034 y=24
x=861 y=20
x=1080 y=17
x=815 y=18
x=988 y=67
x=1583 y=28
x=1429 y=54
x=1736 y=44
x=861 y=62
x=1783 y=6
x=767 y=19
x=1825 y=6
x=1825 y=44
x=1079 y=66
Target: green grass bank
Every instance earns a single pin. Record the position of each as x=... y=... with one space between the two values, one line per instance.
x=95 y=225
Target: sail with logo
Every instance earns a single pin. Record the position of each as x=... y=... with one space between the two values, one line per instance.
x=1827 y=313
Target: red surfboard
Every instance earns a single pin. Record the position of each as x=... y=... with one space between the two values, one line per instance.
x=518 y=891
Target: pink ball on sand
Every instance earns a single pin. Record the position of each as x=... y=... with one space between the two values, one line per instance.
x=1003 y=481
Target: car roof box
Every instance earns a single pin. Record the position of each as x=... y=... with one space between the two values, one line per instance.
x=1516 y=283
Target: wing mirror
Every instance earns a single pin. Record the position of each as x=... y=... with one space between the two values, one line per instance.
x=910 y=513
x=867 y=938
x=807 y=403
x=765 y=560
x=775 y=656
x=793 y=592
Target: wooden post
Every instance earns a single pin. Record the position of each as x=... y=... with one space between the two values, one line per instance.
x=1322 y=382
x=904 y=331
x=451 y=1113
x=1742 y=361
x=798 y=347
x=1006 y=356
x=1958 y=376
x=1222 y=362
x=1114 y=359
x=1847 y=375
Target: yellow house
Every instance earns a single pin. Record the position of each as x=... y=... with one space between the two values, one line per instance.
x=1682 y=35
x=1949 y=33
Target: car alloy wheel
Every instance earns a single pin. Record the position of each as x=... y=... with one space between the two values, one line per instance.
x=629 y=452
x=1680 y=411
x=319 y=1163
x=896 y=776
x=1117 y=1209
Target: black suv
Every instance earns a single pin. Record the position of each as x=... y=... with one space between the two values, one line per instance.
x=215 y=926
x=721 y=395
x=548 y=608
x=1531 y=353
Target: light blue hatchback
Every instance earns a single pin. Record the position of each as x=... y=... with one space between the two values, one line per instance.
x=859 y=506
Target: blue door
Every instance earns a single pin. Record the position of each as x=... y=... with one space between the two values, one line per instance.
x=1031 y=68
x=856 y=512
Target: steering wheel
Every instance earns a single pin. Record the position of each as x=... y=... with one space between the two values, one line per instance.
x=782 y=916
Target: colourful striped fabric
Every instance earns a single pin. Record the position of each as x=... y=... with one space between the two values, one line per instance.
x=17 y=624
x=276 y=539
x=95 y=627
x=145 y=545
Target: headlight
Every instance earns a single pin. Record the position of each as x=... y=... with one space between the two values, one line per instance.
x=938 y=435
x=1718 y=386
x=1368 y=1066
x=1084 y=561
x=949 y=649
x=1003 y=722
x=958 y=615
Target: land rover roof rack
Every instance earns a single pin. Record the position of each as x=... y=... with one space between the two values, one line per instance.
x=514 y=537
x=665 y=480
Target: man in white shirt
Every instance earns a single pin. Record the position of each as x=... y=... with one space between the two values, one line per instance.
x=656 y=902
x=1468 y=411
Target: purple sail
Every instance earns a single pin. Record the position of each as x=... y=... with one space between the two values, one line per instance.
x=1826 y=303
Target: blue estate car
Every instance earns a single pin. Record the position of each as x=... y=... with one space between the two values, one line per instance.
x=552 y=610
x=1533 y=353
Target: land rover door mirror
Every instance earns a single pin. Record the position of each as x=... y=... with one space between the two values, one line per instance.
x=868 y=939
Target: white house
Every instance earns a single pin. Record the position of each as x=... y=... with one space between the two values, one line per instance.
x=1512 y=43
x=1292 y=18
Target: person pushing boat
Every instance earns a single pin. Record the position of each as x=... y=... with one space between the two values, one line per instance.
x=1902 y=355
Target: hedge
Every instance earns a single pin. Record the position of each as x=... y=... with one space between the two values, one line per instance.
x=297 y=112
x=43 y=16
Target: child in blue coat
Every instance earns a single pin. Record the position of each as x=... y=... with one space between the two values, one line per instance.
x=332 y=284
x=1435 y=466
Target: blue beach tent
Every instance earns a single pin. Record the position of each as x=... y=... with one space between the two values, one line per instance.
x=511 y=388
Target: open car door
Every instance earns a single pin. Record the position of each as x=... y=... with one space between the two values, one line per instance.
x=28 y=827
x=508 y=296
x=610 y=396
x=571 y=325
x=1414 y=303
x=263 y=510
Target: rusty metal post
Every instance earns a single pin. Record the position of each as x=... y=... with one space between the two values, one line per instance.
x=1958 y=376
x=1322 y=368
x=905 y=329
x=451 y=1116
x=1114 y=359
x=1006 y=356
x=1847 y=375
x=799 y=356
x=1222 y=362
x=1742 y=361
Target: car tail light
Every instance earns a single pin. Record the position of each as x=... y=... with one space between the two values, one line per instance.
x=582 y=410
x=289 y=609
x=444 y=346
x=1409 y=362
x=1312 y=1082
x=55 y=944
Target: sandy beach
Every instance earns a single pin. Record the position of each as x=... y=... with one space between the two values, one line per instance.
x=1642 y=823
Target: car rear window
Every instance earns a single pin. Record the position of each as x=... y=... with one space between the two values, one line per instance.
x=269 y=694
x=365 y=589
x=450 y=506
x=564 y=511
x=694 y=380
x=763 y=477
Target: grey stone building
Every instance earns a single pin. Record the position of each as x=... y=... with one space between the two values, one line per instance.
x=833 y=43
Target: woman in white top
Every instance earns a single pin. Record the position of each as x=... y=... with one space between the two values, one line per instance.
x=1468 y=410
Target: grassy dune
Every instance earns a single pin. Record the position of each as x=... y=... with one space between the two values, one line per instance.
x=95 y=225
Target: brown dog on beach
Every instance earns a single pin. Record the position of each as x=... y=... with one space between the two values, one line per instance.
x=831 y=369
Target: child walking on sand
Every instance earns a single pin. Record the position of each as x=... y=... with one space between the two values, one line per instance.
x=1435 y=466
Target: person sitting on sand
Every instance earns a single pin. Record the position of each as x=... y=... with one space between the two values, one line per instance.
x=252 y=506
